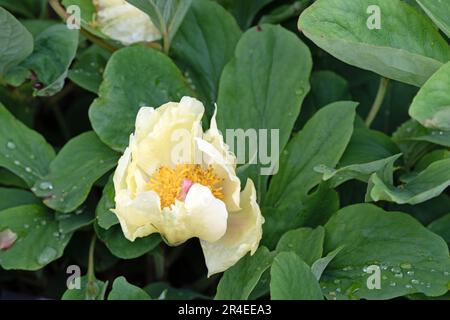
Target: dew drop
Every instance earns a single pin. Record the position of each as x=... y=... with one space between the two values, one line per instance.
x=446 y=273
x=398 y=275
x=47 y=255
x=43 y=222
x=396 y=269
x=410 y=273
x=392 y=284
x=349 y=268
x=415 y=281
x=337 y=281
x=28 y=169
x=17 y=162
x=408 y=286
x=11 y=145
x=45 y=185
x=26 y=226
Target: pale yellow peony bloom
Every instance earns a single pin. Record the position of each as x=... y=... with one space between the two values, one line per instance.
x=123 y=22
x=186 y=192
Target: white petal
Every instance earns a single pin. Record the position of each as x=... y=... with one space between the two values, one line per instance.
x=231 y=185
x=125 y=23
x=244 y=231
x=170 y=137
x=139 y=216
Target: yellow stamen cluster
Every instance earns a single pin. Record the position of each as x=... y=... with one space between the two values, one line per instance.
x=167 y=182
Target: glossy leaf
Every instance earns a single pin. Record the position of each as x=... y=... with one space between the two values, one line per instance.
x=406 y=47
x=81 y=162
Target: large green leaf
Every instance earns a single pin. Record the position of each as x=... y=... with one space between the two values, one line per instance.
x=406 y=48
x=16 y=43
x=10 y=197
x=269 y=76
x=88 y=70
x=81 y=162
x=38 y=242
x=410 y=258
x=54 y=51
x=309 y=211
x=123 y=290
x=427 y=184
x=239 y=281
x=431 y=106
x=123 y=248
x=439 y=12
x=22 y=150
x=322 y=141
x=307 y=243
x=203 y=45
x=134 y=77
x=292 y=279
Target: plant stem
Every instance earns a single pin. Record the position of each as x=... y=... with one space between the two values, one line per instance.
x=384 y=82
x=90 y=287
x=56 y=6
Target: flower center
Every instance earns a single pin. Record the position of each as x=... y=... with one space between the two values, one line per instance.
x=174 y=183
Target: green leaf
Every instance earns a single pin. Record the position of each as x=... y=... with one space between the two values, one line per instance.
x=320 y=265
x=322 y=141
x=123 y=248
x=431 y=106
x=123 y=290
x=411 y=258
x=16 y=43
x=54 y=50
x=22 y=150
x=239 y=281
x=307 y=243
x=361 y=172
x=431 y=157
x=81 y=162
x=88 y=70
x=74 y=221
x=292 y=279
x=203 y=45
x=105 y=217
x=311 y=211
x=166 y=15
x=428 y=184
x=441 y=227
x=368 y=146
x=39 y=241
x=244 y=11
x=408 y=50
x=270 y=76
x=94 y=290
x=10 y=198
x=134 y=77
x=438 y=11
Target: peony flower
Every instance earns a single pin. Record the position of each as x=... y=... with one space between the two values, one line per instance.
x=123 y=22
x=185 y=190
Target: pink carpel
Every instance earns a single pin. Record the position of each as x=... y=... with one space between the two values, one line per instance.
x=185 y=186
x=7 y=239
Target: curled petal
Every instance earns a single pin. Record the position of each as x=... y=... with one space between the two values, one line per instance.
x=201 y=215
x=244 y=231
x=138 y=216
